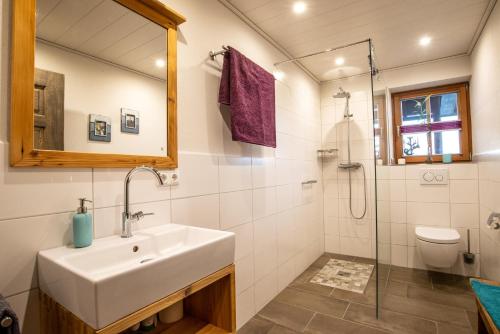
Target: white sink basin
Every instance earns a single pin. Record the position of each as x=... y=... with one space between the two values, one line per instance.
x=115 y=276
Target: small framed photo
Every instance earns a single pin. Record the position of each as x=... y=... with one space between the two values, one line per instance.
x=99 y=128
x=129 y=121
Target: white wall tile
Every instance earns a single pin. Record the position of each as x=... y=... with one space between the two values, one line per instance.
x=235 y=208
x=284 y=197
x=244 y=273
x=398 y=212
x=399 y=255
x=465 y=215
x=265 y=246
x=464 y=191
x=286 y=274
x=198 y=175
x=399 y=235
x=285 y=230
x=426 y=193
x=332 y=244
x=397 y=172
x=243 y=240
x=465 y=171
x=430 y=214
x=108 y=188
x=201 y=211
x=245 y=307
x=26 y=305
x=264 y=202
x=108 y=221
x=235 y=173
x=284 y=171
x=398 y=190
x=21 y=239
x=265 y=289
x=263 y=172
x=46 y=190
x=355 y=246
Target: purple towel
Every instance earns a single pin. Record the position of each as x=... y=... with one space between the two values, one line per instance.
x=248 y=90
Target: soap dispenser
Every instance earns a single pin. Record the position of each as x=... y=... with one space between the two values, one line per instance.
x=82 y=226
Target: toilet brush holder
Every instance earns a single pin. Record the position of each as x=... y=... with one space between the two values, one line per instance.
x=468 y=256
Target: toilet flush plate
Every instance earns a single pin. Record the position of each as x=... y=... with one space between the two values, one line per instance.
x=436 y=176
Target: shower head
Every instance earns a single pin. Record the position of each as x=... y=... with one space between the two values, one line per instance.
x=342 y=94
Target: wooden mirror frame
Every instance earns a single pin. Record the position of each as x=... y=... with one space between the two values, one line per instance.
x=22 y=151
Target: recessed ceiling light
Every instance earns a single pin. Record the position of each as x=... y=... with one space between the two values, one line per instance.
x=339 y=61
x=279 y=75
x=160 y=63
x=299 y=7
x=425 y=40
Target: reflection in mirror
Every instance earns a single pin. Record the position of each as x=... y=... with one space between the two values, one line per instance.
x=100 y=79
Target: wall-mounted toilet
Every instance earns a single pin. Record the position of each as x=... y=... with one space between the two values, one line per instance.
x=438 y=247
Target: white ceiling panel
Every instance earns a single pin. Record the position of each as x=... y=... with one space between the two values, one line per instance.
x=103 y=29
x=395 y=27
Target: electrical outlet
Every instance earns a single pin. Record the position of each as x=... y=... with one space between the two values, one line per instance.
x=170 y=178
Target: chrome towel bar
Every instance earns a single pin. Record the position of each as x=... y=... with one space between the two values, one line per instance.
x=212 y=54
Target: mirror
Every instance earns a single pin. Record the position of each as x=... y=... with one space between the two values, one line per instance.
x=100 y=79
x=103 y=84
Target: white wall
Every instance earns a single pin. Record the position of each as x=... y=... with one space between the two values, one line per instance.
x=402 y=202
x=485 y=92
x=255 y=192
x=93 y=87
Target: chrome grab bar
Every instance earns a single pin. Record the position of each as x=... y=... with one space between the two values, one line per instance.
x=310 y=182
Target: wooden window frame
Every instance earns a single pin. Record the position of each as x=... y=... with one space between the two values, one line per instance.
x=464 y=111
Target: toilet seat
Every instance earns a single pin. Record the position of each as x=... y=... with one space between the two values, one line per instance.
x=437 y=235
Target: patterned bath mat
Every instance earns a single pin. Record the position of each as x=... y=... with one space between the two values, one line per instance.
x=345 y=275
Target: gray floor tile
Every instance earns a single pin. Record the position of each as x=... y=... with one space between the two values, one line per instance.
x=472 y=316
x=460 y=300
x=390 y=321
x=396 y=288
x=286 y=315
x=425 y=309
x=363 y=260
x=281 y=330
x=411 y=276
x=316 y=303
x=321 y=261
x=307 y=275
x=452 y=329
x=368 y=297
x=314 y=288
x=322 y=324
x=256 y=325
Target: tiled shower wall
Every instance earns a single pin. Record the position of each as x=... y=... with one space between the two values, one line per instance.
x=343 y=234
x=255 y=192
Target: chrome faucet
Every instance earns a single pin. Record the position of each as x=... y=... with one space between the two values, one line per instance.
x=127 y=217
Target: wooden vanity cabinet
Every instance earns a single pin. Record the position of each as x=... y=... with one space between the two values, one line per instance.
x=209 y=308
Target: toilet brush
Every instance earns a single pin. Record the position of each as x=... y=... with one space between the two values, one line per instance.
x=468 y=256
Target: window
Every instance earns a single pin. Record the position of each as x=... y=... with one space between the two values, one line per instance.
x=434 y=120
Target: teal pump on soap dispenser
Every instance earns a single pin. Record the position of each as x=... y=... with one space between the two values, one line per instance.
x=82 y=226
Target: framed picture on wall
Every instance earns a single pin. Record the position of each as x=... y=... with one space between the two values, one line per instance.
x=129 y=121
x=99 y=128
